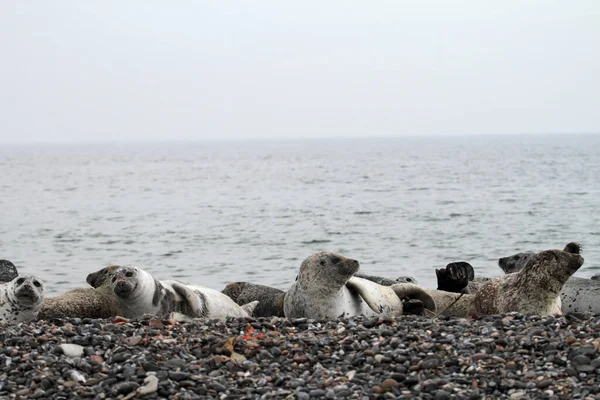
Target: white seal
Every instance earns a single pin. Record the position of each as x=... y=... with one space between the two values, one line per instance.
x=21 y=299
x=140 y=293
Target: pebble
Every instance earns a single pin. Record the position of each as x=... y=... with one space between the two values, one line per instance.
x=71 y=350
x=509 y=356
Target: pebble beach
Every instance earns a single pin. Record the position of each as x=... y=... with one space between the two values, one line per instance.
x=505 y=356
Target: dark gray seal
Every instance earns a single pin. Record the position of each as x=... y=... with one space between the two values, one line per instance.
x=270 y=299
x=8 y=271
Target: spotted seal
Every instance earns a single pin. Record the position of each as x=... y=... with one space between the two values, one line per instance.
x=140 y=293
x=97 y=301
x=8 y=271
x=326 y=288
x=579 y=295
x=21 y=299
x=535 y=289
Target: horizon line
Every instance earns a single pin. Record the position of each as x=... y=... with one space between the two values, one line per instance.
x=282 y=139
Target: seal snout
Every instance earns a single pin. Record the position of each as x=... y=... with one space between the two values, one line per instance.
x=576 y=262
x=349 y=265
x=124 y=289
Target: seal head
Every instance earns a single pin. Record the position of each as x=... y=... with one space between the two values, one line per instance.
x=325 y=270
x=517 y=261
x=21 y=298
x=27 y=290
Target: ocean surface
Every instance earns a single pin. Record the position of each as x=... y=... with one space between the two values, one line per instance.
x=217 y=212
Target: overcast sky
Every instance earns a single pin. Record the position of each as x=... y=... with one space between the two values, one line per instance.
x=128 y=70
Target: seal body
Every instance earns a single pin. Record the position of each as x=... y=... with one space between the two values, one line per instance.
x=97 y=301
x=81 y=303
x=326 y=289
x=139 y=293
x=578 y=295
x=535 y=289
x=8 y=271
x=270 y=300
x=21 y=299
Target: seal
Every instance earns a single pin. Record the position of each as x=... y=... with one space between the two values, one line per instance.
x=97 y=301
x=21 y=299
x=578 y=295
x=139 y=293
x=535 y=289
x=270 y=299
x=326 y=288
x=8 y=271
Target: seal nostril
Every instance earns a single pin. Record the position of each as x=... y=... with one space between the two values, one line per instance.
x=20 y=281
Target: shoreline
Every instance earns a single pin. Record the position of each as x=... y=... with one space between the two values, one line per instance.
x=503 y=356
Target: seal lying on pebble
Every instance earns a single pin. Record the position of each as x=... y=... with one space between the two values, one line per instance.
x=535 y=289
x=270 y=299
x=140 y=293
x=98 y=301
x=327 y=289
x=579 y=295
x=8 y=271
x=21 y=299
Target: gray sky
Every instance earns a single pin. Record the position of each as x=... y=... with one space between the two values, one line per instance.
x=139 y=69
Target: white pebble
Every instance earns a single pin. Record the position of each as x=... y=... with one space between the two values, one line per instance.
x=72 y=350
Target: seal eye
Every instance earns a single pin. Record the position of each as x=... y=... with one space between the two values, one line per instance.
x=322 y=262
x=113 y=279
x=335 y=260
x=129 y=274
x=37 y=284
x=409 y=280
x=20 y=281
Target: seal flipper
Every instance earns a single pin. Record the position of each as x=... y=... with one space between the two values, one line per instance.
x=249 y=307
x=413 y=291
x=191 y=305
x=381 y=299
x=8 y=271
x=455 y=277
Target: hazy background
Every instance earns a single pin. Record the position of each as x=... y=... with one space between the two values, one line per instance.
x=151 y=70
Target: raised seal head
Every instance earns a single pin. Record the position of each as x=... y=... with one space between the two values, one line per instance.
x=326 y=270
